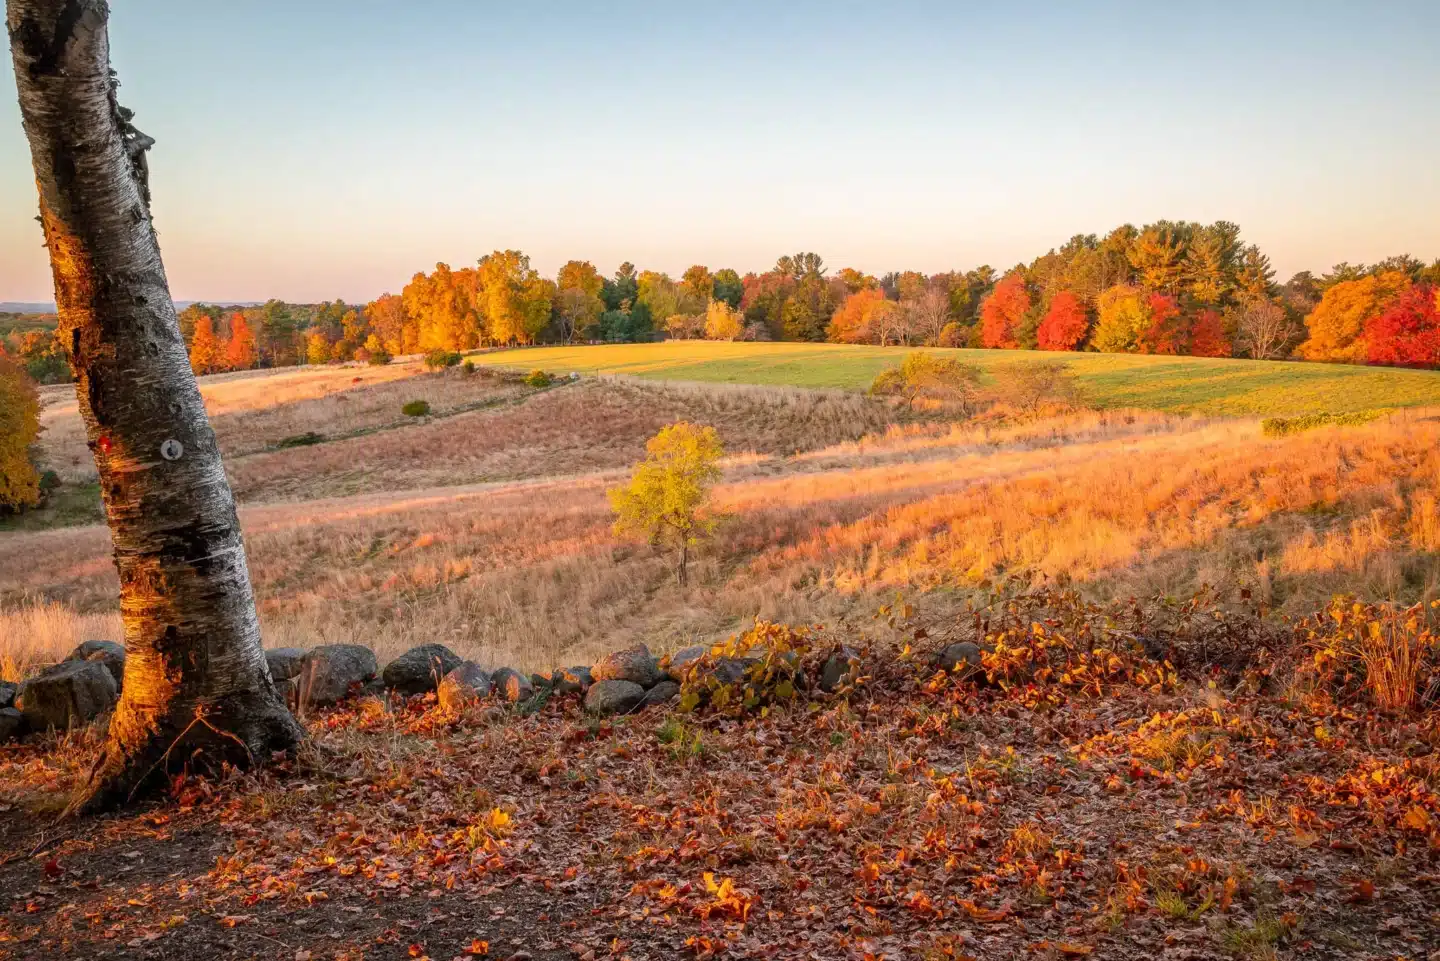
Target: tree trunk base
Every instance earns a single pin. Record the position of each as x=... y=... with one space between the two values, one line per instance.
x=140 y=753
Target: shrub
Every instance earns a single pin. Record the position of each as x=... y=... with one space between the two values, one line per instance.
x=537 y=378
x=1385 y=652
x=468 y=367
x=440 y=359
x=1284 y=426
x=416 y=408
x=378 y=358
x=952 y=335
x=766 y=665
x=300 y=440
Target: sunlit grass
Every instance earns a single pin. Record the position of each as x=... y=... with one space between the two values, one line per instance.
x=1195 y=384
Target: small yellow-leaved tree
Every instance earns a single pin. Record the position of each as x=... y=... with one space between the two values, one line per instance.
x=665 y=501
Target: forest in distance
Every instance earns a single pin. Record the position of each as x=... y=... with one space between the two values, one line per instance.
x=1169 y=288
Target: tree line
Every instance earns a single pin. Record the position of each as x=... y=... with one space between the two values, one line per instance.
x=1171 y=287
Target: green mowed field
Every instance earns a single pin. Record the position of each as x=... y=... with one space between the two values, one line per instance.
x=1198 y=384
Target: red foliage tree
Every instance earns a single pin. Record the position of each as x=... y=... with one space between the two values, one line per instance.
x=1002 y=312
x=1065 y=325
x=1407 y=333
x=1168 y=332
x=1207 y=336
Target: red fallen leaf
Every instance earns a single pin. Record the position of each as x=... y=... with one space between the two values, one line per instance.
x=417 y=951
x=53 y=869
x=1074 y=950
x=478 y=948
x=1299 y=883
x=1362 y=892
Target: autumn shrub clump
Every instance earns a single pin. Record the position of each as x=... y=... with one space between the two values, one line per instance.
x=1378 y=651
x=750 y=672
x=1284 y=426
x=416 y=408
x=537 y=378
x=441 y=359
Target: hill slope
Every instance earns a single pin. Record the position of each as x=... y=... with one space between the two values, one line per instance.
x=1194 y=384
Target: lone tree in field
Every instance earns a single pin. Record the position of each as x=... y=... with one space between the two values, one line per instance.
x=664 y=503
x=197 y=688
x=924 y=376
x=1031 y=384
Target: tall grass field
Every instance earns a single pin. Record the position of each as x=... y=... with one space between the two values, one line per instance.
x=1194 y=384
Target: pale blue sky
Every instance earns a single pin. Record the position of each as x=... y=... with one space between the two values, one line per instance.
x=323 y=148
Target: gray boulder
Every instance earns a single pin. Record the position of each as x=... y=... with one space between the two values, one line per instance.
x=511 y=685
x=661 y=693
x=420 y=669
x=840 y=669
x=464 y=687
x=727 y=670
x=109 y=653
x=963 y=656
x=12 y=724
x=332 y=672
x=613 y=696
x=635 y=664
x=7 y=693
x=682 y=661
x=571 y=680
x=71 y=693
x=285 y=662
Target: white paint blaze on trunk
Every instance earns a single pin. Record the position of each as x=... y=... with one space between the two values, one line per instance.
x=196 y=682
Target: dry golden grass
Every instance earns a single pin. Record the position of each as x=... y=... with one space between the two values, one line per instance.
x=253 y=411
x=36 y=633
x=527 y=572
x=569 y=430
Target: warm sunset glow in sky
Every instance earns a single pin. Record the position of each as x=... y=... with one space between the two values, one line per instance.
x=321 y=149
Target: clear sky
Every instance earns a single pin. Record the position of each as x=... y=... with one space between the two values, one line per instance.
x=311 y=149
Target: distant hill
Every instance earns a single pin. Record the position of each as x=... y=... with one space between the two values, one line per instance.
x=21 y=307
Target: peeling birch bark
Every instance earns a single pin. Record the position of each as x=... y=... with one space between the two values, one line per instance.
x=197 y=688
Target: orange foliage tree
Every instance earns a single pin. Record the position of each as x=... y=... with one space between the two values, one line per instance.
x=1002 y=313
x=853 y=321
x=1065 y=325
x=1407 y=334
x=1337 y=324
x=205 y=347
x=1208 y=337
x=240 y=348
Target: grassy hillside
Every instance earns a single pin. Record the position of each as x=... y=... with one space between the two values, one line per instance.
x=1202 y=385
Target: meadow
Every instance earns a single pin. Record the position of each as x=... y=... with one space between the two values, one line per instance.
x=1190 y=384
x=485 y=526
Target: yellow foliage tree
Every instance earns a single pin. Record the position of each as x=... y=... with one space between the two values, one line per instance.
x=1122 y=316
x=317 y=349
x=1337 y=324
x=516 y=300
x=665 y=501
x=723 y=322
x=19 y=426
